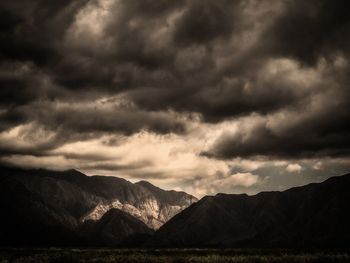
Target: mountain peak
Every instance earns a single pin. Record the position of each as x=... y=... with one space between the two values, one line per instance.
x=146 y=184
x=73 y=171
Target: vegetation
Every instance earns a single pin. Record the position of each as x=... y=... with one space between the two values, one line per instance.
x=57 y=255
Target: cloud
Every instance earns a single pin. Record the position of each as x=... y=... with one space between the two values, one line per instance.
x=204 y=21
x=294 y=168
x=317 y=166
x=308 y=129
x=146 y=51
x=236 y=84
x=319 y=26
x=240 y=179
x=224 y=183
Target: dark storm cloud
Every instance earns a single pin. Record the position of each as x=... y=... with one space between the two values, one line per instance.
x=38 y=66
x=204 y=21
x=309 y=29
x=214 y=58
x=219 y=92
x=297 y=134
x=32 y=30
x=298 y=142
x=126 y=121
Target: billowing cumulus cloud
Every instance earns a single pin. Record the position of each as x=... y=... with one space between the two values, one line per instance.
x=206 y=96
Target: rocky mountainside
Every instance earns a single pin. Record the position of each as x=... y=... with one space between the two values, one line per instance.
x=148 y=203
x=315 y=215
x=88 y=198
x=62 y=202
x=116 y=227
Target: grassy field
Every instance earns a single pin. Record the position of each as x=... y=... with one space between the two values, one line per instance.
x=170 y=256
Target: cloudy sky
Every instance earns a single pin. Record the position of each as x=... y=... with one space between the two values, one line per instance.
x=199 y=95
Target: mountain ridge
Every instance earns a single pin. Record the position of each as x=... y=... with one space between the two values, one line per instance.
x=312 y=215
x=68 y=208
x=153 y=208
x=72 y=198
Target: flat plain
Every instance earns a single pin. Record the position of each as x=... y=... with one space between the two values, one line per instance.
x=70 y=255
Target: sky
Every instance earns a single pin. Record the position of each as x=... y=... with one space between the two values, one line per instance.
x=203 y=96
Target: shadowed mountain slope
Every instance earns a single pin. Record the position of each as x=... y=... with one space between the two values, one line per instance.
x=27 y=220
x=116 y=228
x=312 y=215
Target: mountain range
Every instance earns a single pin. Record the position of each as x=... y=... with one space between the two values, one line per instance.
x=42 y=207
x=315 y=215
x=67 y=208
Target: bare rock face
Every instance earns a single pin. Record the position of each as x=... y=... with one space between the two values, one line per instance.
x=152 y=209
